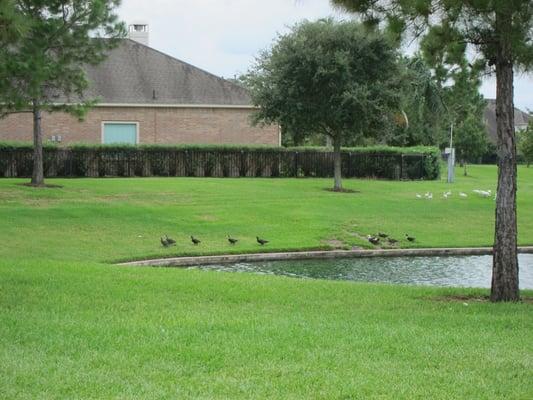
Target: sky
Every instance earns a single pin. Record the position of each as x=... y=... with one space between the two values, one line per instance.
x=224 y=36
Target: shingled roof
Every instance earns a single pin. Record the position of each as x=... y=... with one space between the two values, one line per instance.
x=521 y=119
x=136 y=74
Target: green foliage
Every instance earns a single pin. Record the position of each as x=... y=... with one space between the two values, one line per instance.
x=422 y=109
x=212 y=147
x=327 y=77
x=210 y=160
x=451 y=27
x=525 y=143
x=43 y=69
x=12 y=26
x=12 y=145
x=470 y=140
x=465 y=107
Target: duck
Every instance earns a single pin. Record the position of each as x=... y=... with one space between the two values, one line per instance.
x=410 y=238
x=195 y=241
x=482 y=193
x=463 y=195
x=392 y=241
x=262 y=242
x=372 y=239
x=164 y=242
x=418 y=196
x=232 y=240
x=382 y=235
x=170 y=241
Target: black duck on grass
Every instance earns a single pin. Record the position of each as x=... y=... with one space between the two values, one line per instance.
x=164 y=242
x=383 y=235
x=195 y=241
x=170 y=241
x=410 y=238
x=372 y=239
x=262 y=242
x=232 y=240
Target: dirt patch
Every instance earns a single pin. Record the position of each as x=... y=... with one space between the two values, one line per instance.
x=475 y=299
x=207 y=218
x=334 y=243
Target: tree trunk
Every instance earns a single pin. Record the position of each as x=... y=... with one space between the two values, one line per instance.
x=464 y=165
x=37 y=178
x=505 y=261
x=337 y=175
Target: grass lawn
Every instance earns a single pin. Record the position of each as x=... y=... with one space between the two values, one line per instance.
x=72 y=326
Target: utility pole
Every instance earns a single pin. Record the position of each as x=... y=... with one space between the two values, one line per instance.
x=451 y=157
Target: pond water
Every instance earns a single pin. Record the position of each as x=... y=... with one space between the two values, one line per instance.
x=471 y=271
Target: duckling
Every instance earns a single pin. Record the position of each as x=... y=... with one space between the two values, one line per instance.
x=232 y=240
x=410 y=238
x=164 y=242
x=195 y=241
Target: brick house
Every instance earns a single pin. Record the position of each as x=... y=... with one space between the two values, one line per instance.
x=145 y=97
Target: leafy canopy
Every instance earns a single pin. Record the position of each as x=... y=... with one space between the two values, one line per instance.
x=45 y=64
x=421 y=106
x=327 y=77
x=450 y=27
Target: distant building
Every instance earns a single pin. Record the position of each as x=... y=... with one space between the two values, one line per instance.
x=521 y=119
x=150 y=97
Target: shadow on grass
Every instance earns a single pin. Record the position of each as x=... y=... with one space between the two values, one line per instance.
x=43 y=186
x=341 y=190
x=475 y=298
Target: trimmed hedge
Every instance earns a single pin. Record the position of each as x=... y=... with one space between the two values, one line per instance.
x=81 y=160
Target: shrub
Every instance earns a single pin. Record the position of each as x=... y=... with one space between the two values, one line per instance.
x=209 y=160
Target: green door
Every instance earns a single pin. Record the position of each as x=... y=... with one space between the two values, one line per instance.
x=120 y=133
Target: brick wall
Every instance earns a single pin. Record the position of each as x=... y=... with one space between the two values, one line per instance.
x=156 y=125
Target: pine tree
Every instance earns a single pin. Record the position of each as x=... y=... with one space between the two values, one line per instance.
x=41 y=70
x=500 y=32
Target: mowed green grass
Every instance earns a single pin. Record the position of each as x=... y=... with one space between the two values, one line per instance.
x=74 y=326
x=120 y=219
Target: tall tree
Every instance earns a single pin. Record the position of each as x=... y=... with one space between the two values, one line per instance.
x=465 y=107
x=421 y=106
x=470 y=140
x=42 y=70
x=329 y=78
x=500 y=32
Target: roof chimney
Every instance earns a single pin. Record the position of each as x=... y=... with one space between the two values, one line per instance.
x=138 y=31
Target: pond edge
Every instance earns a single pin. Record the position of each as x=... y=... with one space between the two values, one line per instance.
x=308 y=255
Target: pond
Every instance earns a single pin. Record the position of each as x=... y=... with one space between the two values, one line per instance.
x=464 y=271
